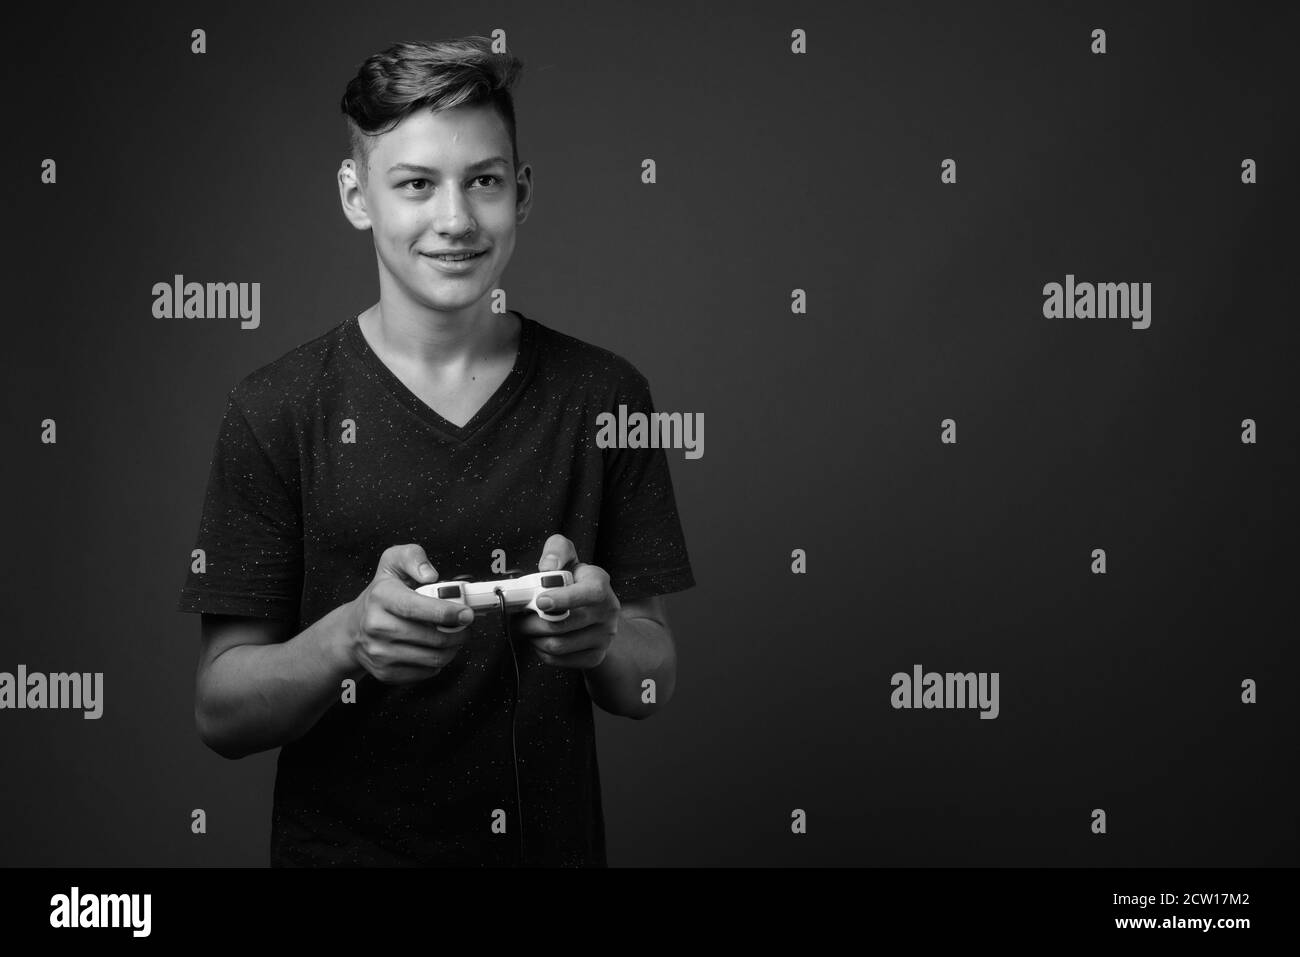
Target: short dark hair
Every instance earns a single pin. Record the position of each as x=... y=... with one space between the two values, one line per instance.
x=437 y=75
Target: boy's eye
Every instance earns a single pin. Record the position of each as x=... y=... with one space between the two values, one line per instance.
x=420 y=188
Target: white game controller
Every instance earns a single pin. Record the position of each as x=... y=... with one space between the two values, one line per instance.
x=482 y=596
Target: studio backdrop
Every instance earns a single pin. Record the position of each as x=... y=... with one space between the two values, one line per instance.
x=989 y=311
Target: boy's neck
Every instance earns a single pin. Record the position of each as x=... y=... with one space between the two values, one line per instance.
x=437 y=341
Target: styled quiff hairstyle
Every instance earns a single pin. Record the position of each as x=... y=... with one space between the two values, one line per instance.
x=421 y=74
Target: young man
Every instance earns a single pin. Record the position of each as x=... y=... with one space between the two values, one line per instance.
x=424 y=439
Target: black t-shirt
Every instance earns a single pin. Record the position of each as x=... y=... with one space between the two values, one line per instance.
x=296 y=517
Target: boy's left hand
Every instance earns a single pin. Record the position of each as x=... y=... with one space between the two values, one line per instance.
x=582 y=639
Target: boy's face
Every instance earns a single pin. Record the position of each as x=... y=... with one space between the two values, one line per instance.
x=440 y=182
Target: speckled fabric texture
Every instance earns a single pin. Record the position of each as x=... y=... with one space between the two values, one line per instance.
x=293 y=524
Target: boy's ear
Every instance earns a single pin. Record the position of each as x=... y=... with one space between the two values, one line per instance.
x=351 y=195
x=524 y=188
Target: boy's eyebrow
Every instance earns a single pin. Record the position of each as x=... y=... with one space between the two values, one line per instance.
x=416 y=168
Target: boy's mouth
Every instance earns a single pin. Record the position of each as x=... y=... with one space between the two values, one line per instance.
x=456 y=256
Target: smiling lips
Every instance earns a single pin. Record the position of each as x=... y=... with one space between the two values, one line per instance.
x=455 y=263
x=457 y=255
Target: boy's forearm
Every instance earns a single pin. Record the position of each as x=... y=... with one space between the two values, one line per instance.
x=642 y=649
x=259 y=697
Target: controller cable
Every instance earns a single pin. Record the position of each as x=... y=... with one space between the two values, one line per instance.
x=514 y=707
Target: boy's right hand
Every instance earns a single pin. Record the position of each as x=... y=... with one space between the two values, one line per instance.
x=392 y=631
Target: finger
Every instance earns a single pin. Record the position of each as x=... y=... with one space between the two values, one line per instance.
x=428 y=636
x=582 y=660
x=535 y=626
x=557 y=553
x=574 y=642
x=382 y=657
x=590 y=587
x=406 y=563
x=404 y=604
x=406 y=654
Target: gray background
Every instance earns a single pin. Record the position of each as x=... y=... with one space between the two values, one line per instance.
x=775 y=171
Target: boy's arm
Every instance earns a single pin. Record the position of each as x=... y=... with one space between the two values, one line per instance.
x=258 y=686
x=643 y=648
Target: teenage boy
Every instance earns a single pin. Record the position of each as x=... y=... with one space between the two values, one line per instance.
x=423 y=439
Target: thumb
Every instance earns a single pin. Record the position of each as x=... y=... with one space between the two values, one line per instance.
x=407 y=562
x=558 y=552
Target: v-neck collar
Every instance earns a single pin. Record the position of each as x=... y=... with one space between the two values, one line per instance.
x=513 y=384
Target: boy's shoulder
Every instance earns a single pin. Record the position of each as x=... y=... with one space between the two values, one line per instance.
x=294 y=379
x=595 y=365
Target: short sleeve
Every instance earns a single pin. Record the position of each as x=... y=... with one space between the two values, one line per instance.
x=639 y=541
x=250 y=530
